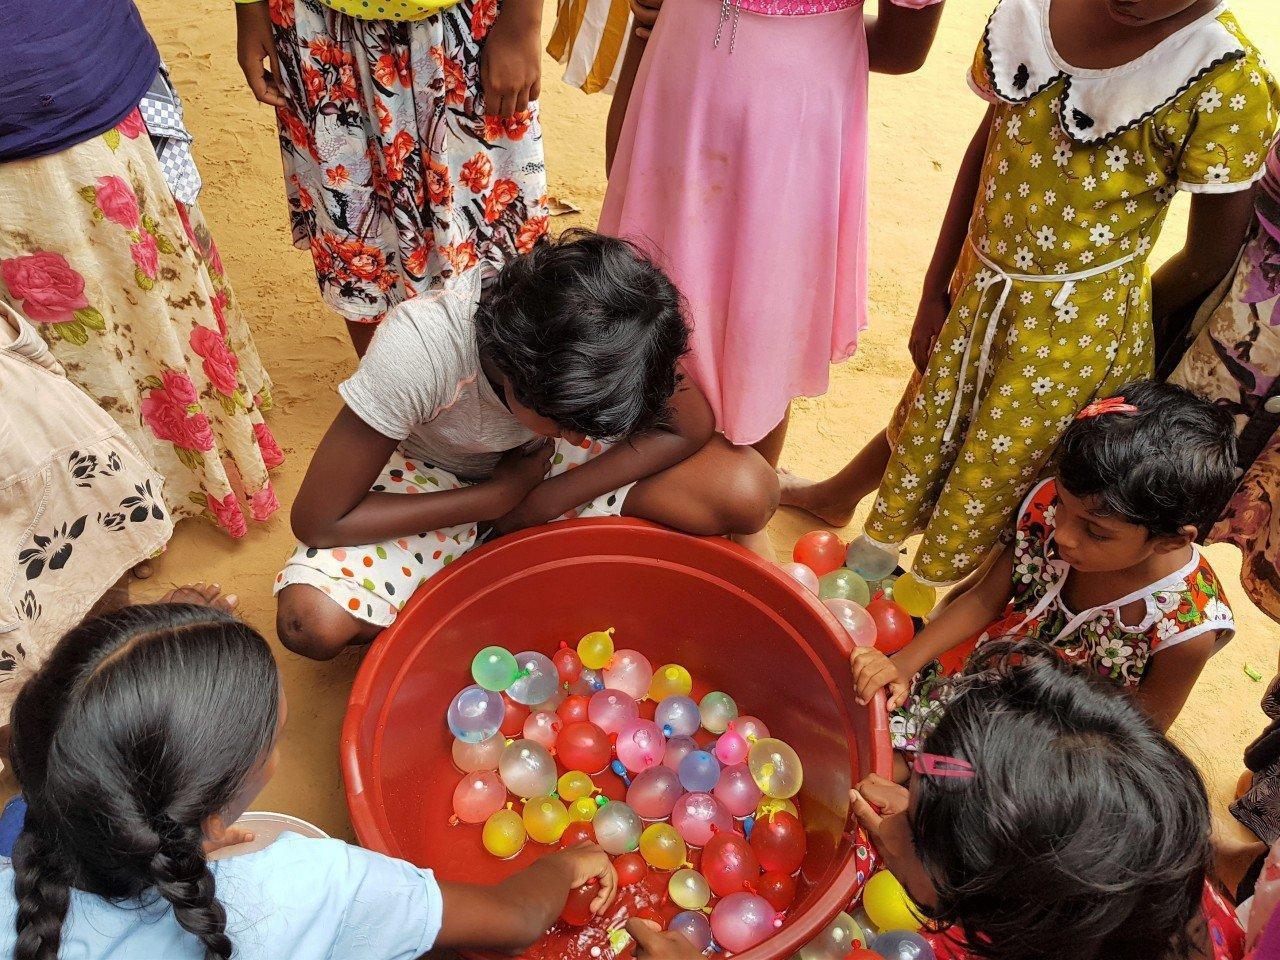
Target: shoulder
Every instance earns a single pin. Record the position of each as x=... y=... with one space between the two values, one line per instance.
x=442 y=318
x=1191 y=604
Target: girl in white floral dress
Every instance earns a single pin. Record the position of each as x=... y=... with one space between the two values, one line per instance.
x=1103 y=566
x=1039 y=297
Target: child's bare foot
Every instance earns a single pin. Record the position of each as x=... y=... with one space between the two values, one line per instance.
x=815 y=497
x=202 y=594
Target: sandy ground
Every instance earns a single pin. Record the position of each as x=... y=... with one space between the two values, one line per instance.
x=920 y=125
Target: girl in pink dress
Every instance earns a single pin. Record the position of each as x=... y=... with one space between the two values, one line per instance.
x=742 y=166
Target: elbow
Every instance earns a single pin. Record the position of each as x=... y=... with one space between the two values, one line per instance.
x=315 y=532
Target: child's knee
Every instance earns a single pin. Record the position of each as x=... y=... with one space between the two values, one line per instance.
x=311 y=625
x=750 y=493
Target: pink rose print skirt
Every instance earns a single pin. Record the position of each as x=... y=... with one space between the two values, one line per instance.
x=373 y=581
x=395 y=177
x=125 y=285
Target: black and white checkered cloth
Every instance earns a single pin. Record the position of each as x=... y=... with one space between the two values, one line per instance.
x=161 y=109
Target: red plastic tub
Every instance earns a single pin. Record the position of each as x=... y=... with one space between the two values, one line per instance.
x=735 y=622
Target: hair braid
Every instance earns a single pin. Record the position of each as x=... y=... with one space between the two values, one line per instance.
x=43 y=895
x=183 y=878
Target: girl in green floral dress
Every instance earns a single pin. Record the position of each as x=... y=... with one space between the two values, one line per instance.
x=1100 y=112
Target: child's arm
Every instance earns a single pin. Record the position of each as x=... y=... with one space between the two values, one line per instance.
x=1169 y=677
x=336 y=508
x=254 y=49
x=935 y=302
x=691 y=425
x=967 y=615
x=511 y=62
x=514 y=913
x=646 y=15
x=1216 y=231
x=899 y=37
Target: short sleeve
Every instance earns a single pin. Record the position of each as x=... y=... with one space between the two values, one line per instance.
x=303 y=897
x=980 y=81
x=915 y=4
x=419 y=359
x=1225 y=123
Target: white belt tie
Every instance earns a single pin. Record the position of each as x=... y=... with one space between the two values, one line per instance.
x=994 y=276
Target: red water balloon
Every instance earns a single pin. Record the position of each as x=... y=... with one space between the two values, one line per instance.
x=631 y=869
x=894 y=628
x=779 y=843
x=513 y=720
x=729 y=864
x=578 y=832
x=778 y=888
x=568 y=664
x=577 y=909
x=573 y=709
x=819 y=550
x=583 y=746
x=862 y=953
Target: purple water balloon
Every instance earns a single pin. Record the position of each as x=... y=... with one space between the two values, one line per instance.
x=654 y=792
x=678 y=716
x=699 y=772
x=694 y=927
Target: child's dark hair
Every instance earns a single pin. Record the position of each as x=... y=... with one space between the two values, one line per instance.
x=1167 y=466
x=1084 y=832
x=589 y=331
x=141 y=724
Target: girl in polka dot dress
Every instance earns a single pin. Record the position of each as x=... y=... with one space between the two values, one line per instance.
x=1102 y=569
x=1039 y=297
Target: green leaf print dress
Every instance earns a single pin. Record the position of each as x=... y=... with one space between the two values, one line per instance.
x=1051 y=298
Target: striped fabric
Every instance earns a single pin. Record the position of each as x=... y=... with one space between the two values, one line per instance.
x=589 y=38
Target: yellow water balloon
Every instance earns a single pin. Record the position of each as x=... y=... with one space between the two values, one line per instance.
x=888 y=905
x=662 y=846
x=504 y=834
x=775 y=768
x=545 y=819
x=689 y=889
x=670 y=680
x=769 y=806
x=583 y=809
x=913 y=596
x=573 y=785
x=595 y=650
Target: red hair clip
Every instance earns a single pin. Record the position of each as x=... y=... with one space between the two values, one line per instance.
x=936 y=765
x=1109 y=405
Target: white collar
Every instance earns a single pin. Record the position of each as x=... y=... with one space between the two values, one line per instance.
x=1095 y=105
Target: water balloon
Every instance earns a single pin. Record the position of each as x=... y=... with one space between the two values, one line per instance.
x=475 y=714
x=856 y=621
x=887 y=904
x=574 y=708
x=670 y=680
x=742 y=920
x=779 y=843
x=752 y=728
x=654 y=792
x=513 y=717
x=588 y=682
x=583 y=746
x=662 y=846
x=543 y=728
x=844 y=584
x=772 y=806
x=678 y=716
x=469 y=757
x=611 y=710
x=688 y=889
x=494 y=669
x=776 y=768
x=778 y=888
x=694 y=927
x=801 y=575
x=568 y=664
x=837 y=939
x=696 y=816
x=574 y=784
x=729 y=863
x=732 y=747
x=617 y=827
x=630 y=868
x=630 y=672
x=527 y=769
x=819 y=550
x=583 y=810
x=737 y=790
x=640 y=745
x=869 y=560
x=545 y=819
x=699 y=772
x=478 y=796
x=902 y=945
x=717 y=709
x=578 y=831
x=503 y=834
x=538 y=678
x=894 y=628
x=913 y=596
x=595 y=650
x=577 y=907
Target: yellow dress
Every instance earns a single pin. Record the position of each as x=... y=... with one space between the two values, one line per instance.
x=1051 y=298
x=384 y=9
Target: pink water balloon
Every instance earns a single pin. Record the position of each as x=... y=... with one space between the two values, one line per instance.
x=611 y=710
x=469 y=757
x=478 y=796
x=742 y=920
x=696 y=816
x=677 y=749
x=737 y=790
x=543 y=727
x=640 y=745
x=631 y=672
x=732 y=747
x=855 y=620
x=802 y=575
x=752 y=728
x=654 y=792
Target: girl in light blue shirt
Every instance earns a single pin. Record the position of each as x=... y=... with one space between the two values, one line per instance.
x=142 y=735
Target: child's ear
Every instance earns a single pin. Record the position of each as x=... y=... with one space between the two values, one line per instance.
x=1177 y=541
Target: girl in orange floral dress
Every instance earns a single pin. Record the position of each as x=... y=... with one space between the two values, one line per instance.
x=409 y=129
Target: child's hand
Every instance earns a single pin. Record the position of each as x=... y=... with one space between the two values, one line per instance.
x=587 y=863
x=930 y=317
x=255 y=45
x=878 y=805
x=873 y=670
x=511 y=63
x=519 y=471
x=652 y=943
x=218 y=835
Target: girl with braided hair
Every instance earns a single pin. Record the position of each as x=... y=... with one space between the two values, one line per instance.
x=144 y=733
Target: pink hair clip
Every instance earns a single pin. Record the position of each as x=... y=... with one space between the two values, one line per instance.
x=935 y=765
x=1109 y=405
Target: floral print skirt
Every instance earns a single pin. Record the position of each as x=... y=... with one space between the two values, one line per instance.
x=396 y=179
x=1235 y=362
x=127 y=288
